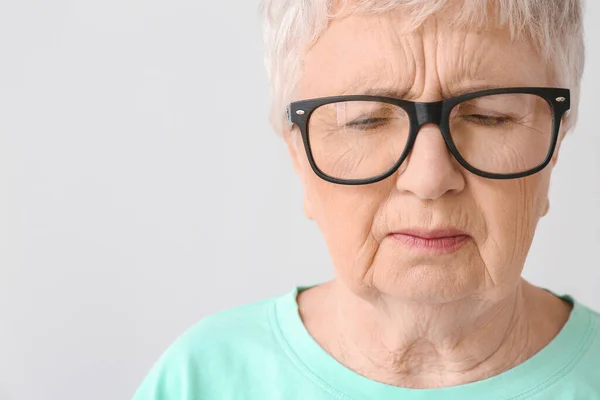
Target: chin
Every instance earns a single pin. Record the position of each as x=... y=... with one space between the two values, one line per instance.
x=429 y=283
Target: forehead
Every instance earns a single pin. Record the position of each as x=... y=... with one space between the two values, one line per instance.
x=367 y=53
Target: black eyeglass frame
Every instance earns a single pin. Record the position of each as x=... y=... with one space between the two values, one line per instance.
x=421 y=113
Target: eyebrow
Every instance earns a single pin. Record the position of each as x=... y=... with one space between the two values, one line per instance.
x=399 y=93
x=403 y=93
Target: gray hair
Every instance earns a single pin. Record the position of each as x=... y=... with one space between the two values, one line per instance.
x=555 y=27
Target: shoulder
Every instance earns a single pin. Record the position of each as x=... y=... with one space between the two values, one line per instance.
x=594 y=316
x=585 y=372
x=593 y=335
x=590 y=320
x=226 y=343
x=229 y=328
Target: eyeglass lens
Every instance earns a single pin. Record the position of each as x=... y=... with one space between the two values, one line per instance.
x=500 y=133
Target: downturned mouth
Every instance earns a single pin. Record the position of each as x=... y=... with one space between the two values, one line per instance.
x=437 y=240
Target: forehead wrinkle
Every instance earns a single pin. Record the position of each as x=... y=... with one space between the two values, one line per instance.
x=479 y=61
x=395 y=73
x=386 y=65
x=459 y=62
x=378 y=87
x=368 y=54
x=466 y=64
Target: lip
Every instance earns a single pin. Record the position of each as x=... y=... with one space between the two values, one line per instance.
x=432 y=233
x=437 y=241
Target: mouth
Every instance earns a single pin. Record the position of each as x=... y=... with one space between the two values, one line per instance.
x=438 y=241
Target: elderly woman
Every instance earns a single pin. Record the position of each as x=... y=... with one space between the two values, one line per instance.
x=424 y=133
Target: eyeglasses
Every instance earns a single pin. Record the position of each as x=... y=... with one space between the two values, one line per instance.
x=503 y=133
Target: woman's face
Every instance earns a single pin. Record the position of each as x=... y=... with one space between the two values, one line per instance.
x=431 y=190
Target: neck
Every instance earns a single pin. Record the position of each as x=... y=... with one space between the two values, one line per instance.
x=432 y=346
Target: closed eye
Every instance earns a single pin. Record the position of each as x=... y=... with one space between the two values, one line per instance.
x=367 y=123
x=487 y=120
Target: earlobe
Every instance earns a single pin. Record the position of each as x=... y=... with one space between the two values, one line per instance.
x=557 y=150
x=307 y=208
x=554 y=159
x=289 y=138
x=545 y=208
x=292 y=146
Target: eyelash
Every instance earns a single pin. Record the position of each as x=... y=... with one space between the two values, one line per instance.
x=487 y=120
x=372 y=123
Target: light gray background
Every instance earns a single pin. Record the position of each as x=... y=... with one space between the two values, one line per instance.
x=142 y=188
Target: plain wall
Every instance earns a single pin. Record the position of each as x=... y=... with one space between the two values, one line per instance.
x=142 y=188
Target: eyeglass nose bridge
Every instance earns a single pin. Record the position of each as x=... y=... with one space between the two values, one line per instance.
x=431 y=113
x=428 y=113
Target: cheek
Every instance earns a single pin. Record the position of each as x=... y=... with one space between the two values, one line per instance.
x=345 y=216
x=511 y=210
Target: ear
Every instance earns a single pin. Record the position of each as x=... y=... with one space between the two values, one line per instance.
x=564 y=128
x=561 y=136
x=546 y=207
x=291 y=139
x=306 y=208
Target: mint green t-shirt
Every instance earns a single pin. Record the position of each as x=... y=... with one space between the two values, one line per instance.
x=262 y=351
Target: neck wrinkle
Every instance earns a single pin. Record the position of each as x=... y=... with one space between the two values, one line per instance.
x=431 y=346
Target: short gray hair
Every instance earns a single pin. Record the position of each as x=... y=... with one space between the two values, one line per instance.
x=555 y=27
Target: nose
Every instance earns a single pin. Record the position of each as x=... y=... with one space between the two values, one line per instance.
x=430 y=171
